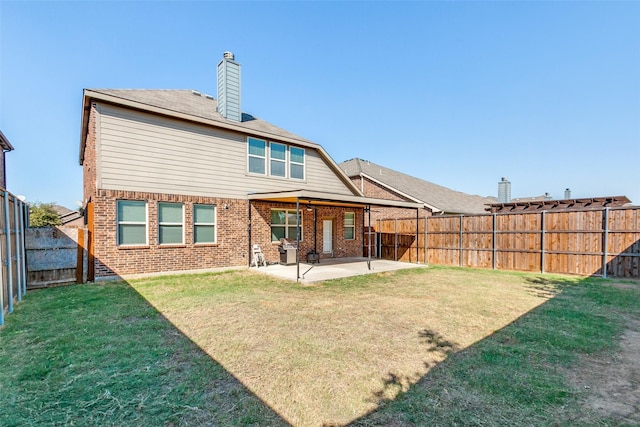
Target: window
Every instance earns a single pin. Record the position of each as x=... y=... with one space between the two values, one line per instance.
x=278 y=159
x=204 y=224
x=284 y=224
x=284 y=161
x=132 y=222
x=349 y=225
x=257 y=156
x=296 y=164
x=170 y=221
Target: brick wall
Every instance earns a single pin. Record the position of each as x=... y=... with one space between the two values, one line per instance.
x=261 y=230
x=89 y=162
x=376 y=191
x=231 y=248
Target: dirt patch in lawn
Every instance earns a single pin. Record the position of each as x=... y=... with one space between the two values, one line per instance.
x=610 y=384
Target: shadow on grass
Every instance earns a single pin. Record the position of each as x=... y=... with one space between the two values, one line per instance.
x=514 y=376
x=100 y=354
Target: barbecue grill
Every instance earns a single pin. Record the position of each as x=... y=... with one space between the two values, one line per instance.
x=288 y=251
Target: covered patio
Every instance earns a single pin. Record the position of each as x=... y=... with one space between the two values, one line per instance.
x=336 y=268
x=342 y=265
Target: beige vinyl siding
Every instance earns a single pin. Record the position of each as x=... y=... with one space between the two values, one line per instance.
x=143 y=152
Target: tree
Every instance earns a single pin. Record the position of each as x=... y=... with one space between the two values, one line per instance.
x=43 y=215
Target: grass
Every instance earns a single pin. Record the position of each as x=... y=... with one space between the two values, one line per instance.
x=101 y=355
x=442 y=346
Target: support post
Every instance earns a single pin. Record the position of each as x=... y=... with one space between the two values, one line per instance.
x=379 y=238
x=605 y=240
x=368 y=209
x=250 y=248
x=298 y=239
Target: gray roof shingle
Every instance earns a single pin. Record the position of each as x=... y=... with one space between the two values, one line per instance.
x=196 y=104
x=442 y=198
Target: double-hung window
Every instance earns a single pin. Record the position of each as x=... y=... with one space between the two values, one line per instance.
x=204 y=224
x=257 y=156
x=170 y=223
x=278 y=159
x=284 y=224
x=132 y=222
x=349 y=225
x=296 y=162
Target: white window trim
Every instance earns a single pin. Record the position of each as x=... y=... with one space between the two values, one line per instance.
x=264 y=158
x=181 y=224
x=286 y=224
x=349 y=226
x=146 y=224
x=214 y=224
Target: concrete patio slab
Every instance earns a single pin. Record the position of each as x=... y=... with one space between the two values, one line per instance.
x=335 y=268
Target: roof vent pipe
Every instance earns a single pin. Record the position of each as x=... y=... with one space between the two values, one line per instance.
x=229 y=88
x=567 y=193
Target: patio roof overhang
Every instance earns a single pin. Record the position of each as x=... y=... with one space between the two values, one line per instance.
x=330 y=199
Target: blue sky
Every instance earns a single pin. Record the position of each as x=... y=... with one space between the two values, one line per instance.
x=456 y=93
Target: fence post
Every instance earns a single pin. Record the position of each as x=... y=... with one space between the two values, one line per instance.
x=395 y=239
x=425 y=240
x=493 y=242
x=7 y=260
x=542 y=240
x=605 y=240
x=24 y=211
x=460 y=244
x=16 y=224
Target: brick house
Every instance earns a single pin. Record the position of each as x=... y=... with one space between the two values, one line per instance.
x=175 y=180
x=377 y=181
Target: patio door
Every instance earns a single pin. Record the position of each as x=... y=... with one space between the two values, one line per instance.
x=327 y=236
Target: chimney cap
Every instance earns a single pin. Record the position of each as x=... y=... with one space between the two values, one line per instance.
x=228 y=55
x=504 y=179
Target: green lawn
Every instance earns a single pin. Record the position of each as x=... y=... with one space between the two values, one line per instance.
x=437 y=346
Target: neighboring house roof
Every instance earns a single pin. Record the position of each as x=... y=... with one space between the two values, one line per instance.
x=67 y=215
x=555 y=205
x=4 y=142
x=436 y=197
x=196 y=107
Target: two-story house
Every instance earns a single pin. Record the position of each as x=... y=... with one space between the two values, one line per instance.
x=177 y=180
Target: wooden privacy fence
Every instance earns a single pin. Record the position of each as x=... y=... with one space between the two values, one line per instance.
x=14 y=215
x=56 y=255
x=603 y=242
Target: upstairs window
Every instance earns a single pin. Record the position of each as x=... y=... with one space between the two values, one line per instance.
x=171 y=223
x=296 y=164
x=275 y=159
x=257 y=159
x=278 y=163
x=284 y=224
x=204 y=224
x=349 y=225
x=132 y=222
